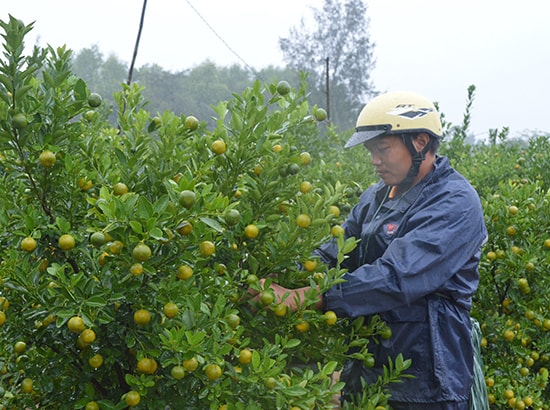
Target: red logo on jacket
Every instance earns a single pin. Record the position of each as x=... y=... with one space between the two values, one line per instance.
x=391 y=228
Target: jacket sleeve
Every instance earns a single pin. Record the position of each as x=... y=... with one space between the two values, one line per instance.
x=440 y=237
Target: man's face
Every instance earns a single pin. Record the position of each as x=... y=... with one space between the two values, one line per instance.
x=390 y=157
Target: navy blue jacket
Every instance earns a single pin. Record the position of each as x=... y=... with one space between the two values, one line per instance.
x=417 y=267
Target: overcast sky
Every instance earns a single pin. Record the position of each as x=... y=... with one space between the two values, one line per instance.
x=434 y=47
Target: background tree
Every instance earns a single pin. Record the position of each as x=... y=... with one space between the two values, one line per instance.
x=106 y=74
x=165 y=89
x=193 y=91
x=340 y=34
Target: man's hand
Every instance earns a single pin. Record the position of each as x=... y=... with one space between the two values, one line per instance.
x=291 y=298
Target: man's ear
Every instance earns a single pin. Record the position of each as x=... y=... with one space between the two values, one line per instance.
x=420 y=141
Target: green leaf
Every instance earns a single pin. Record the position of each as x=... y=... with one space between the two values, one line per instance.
x=161 y=204
x=292 y=343
x=296 y=391
x=90 y=390
x=108 y=405
x=63 y=225
x=330 y=367
x=20 y=93
x=69 y=166
x=254 y=264
x=156 y=233
x=63 y=314
x=5 y=97
x=121 y=157
x=151 y=224
x=145 y=209
x=136 y=227
x=6 y=82
x=48 y=79
x=188 y=319
x=80 y=90
x=96 y=301
x=255 y=360
x=212 y=223
x=195 y=338
x=349 y=245
x=29 y=222
x=131 y=379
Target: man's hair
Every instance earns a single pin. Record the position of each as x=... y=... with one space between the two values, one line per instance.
x=433 y=144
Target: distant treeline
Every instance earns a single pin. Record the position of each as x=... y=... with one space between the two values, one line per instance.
x=188 y=92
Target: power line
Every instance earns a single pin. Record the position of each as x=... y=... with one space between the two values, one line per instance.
x=224 y=42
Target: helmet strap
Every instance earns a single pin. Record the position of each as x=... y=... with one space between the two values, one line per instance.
x=417 y=158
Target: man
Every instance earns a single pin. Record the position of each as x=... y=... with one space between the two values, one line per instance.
x=421 y=229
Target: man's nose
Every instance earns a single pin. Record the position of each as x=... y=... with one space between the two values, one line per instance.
x=374 y=159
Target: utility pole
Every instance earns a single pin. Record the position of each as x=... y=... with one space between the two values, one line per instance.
x=131 y=71
x=327 y=92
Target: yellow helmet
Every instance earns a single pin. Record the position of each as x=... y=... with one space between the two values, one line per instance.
x=396 y=113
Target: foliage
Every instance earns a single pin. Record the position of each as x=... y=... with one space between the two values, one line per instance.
x=126 y=253
x=340 y=35
x=513 y=301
